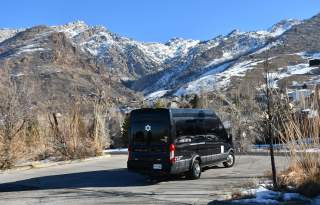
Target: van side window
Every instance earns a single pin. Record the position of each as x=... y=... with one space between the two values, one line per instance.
x=185 y=127
x=215 y=128
x=199 y=138
x=212 y=138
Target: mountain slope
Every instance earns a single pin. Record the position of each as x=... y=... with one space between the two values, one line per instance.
x=57 y=68
x=59 y=59
x=210 y=56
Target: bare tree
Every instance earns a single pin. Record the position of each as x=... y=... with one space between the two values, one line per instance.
x=15 y=110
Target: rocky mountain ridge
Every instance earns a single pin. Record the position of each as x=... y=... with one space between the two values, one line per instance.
x=79 y=55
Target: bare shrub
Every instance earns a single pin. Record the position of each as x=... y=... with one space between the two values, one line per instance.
x=37 y=141
x=71 y=137
x=76 y=135
x=14 y=109
x=98 y=131
x=300 y=132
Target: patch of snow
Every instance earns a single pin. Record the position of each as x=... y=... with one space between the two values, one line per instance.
x=282 y=26
x=313 y=150
x=116 y=151
x=17 y=75
x=269 y=46
x=30 y=48
x=217 y=69
x=8 y=33
x=287 y=71
x=173 y=48
x=292 y=196
x=217 y=61
x=316 y=201
x=261 y=195
x=155 y=95
x=72 y=29
x=218 y=77
x=309 y=55
x=295 y=70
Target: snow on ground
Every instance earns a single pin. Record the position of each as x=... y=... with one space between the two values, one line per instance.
x=309 y=55
x=7 y=33
x=313 y=150
x=17 y=75
x=72 y=29
x=220 y=76
x=173 y=48
x=116 y=151
x=287 y=71
x=262 y=195
x=269 y=46
x=217 y=77
x=157 y=94
x=283 y=26
x=205 y=83
x=30 y=48
x=98 y=43
x=294 y=70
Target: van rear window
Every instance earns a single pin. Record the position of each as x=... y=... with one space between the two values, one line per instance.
x=150 y=132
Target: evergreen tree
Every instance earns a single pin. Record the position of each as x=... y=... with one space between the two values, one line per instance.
x=195 y=101
x=124 y=130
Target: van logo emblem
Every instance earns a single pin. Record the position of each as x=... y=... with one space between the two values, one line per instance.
x=147 y=128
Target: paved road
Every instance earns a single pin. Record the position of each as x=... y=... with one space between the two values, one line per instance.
x=106 y=181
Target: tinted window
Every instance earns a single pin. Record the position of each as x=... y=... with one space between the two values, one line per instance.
x=150 y=132
x=150 y=126
x=191 y=127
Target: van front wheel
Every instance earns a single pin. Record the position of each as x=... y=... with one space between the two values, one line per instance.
x=230 y=160
x=195 y=171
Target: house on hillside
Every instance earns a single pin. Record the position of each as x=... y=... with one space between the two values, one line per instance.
x=314 y=63
x=296 y=95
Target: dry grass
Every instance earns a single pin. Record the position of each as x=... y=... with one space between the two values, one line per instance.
x=301 y=133
x=13 y=119
x=75 y=136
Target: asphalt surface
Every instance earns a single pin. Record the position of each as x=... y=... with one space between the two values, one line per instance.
x=106 y=181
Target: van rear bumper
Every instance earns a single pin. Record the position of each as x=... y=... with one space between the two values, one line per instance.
x=145 y=167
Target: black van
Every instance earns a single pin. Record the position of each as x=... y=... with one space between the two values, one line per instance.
x=177 y=142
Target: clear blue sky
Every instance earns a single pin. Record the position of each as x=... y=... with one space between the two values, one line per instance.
x=158 y=20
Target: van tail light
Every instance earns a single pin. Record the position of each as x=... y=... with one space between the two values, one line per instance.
x=129 y=152
x=171 y=150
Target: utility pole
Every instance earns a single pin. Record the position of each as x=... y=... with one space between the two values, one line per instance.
x=269 y=121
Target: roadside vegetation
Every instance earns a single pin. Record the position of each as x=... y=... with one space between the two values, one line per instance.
x=295 y=127
x=27 y=133
x=301 y=134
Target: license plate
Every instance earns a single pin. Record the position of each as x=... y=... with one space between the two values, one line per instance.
x=157 y=166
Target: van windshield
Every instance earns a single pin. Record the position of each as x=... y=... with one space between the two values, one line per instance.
x=150 y=127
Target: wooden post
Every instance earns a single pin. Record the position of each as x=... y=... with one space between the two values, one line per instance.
x=269 y=120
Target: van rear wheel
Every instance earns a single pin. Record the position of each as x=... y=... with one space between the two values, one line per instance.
x=230 y=160
x=195 y=171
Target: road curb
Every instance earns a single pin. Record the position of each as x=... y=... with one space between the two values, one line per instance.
x=263 y=153
x=38 y=164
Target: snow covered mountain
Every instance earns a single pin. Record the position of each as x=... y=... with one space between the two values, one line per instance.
x=177 y=67
x=130 y=59
x=7 y=33
x=212 y=58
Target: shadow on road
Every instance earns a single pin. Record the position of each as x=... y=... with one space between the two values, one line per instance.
x=104 y=178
